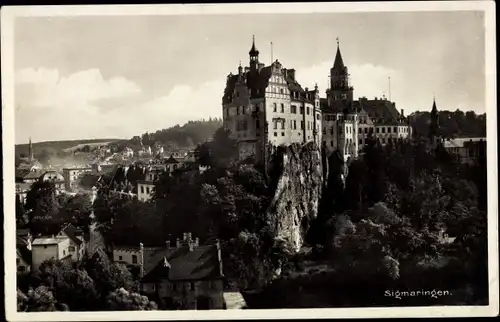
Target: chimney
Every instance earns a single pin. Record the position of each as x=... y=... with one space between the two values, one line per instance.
x=291 y=73
x=184 y=236
x=177 y=243
x=285 y=72
x=402 y=112
x=141 y=247
x=197 y=242
x=167 y=244
x=219 y=257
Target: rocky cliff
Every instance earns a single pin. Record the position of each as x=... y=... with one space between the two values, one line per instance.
x=297 y=173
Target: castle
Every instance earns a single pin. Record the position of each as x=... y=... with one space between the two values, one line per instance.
x=266 y=106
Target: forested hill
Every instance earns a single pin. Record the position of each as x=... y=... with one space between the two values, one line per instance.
x=186 y=136
x=453 y=124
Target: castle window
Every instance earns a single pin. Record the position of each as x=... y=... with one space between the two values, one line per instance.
x=308 y=110
x=142 y=189
x=332 y=130
x=257 y=107
x=293 y=109
x=191 y=286
x=120 y=258
x=275 y=134
x=377 y=130
x=282 y=133
x=383 y=130
x=275 y=108
x=283 y=124
x=301 y=125
x=302 y=110
x=331 y=143
x=360 y=141
x=134 y=259
x=308 y=125
x=366 y=130
x=395 y=129
x=282 y=91
x=275 y=124
x=282 y=108
x=294 y=124
x=317 y=116
x=389 y=129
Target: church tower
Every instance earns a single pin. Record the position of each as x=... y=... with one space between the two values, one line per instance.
x=339 y=80
x=30 y=152
x=254 y=56
x=434 y=131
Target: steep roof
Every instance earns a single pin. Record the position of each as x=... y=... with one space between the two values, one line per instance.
x=24 y=253
x=171 y=160
x=381 y=110
x=184 y=265
x=339 y=62
x=71 y=232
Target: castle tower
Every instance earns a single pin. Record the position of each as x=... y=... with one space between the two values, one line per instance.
x=339 y=79
x=254 y=55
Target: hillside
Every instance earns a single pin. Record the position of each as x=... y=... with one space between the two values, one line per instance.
x=186 y=136
x=57 y=147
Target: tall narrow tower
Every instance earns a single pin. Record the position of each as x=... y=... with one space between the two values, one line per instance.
x=434 y=131
x=339 y=79
x=30 y=152
x=254 y=55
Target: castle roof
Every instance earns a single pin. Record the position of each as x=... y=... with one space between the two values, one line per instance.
x=339 y=62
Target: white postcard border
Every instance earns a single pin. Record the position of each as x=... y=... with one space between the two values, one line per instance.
x=7 y=24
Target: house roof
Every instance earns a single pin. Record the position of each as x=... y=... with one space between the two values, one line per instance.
x=200 y=263
x=171 y=160
x=47 y=241
x=460 y=142
x=71 y=231
x=24 y=253
x=339 y=62
x=21 y=172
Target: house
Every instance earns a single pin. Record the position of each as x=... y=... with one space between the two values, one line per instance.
x=71 y=175
x=182 y=276
x=54 y=177
x=23 y=250
x=466 y=149
x=22 y=189
x=172 y=164
x=145 y=187
x=67 y=245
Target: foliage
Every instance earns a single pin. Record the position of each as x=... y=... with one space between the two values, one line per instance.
x=40 y=299
x=123 y=300
x=451 y=123
x=43 y=207
x=220 y=152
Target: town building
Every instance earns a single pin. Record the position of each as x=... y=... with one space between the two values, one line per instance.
x=67 y=245
x=23 y=250
x=467 y=150
x=266 y=105
x=30 y=163
x=54 y=177
x=182 y=276
x=22 y=189
x=72 y=175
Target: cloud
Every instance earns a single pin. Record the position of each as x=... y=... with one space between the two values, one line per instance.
x=368 y=80
x=85 y=105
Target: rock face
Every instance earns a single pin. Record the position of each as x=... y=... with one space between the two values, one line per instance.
x=295 y=203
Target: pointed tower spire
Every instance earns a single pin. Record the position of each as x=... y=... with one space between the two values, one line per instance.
x=253 y=51
x=254 y=55
x=339 y=62
x=434 y=128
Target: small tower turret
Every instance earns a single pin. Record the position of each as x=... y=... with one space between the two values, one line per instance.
x=254 y=55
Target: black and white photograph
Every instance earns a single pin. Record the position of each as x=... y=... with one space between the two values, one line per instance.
x=301 y=160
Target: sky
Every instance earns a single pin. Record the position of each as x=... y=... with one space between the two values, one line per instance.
x=118 y=76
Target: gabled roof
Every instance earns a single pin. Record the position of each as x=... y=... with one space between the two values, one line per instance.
x=24 y=253
x=171 y=160
x=71 y=232
x=200 y=263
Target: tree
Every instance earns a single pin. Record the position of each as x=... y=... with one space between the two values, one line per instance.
x=43 y=157
x=42 y=203
x=123 y=300
x=40 y=299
